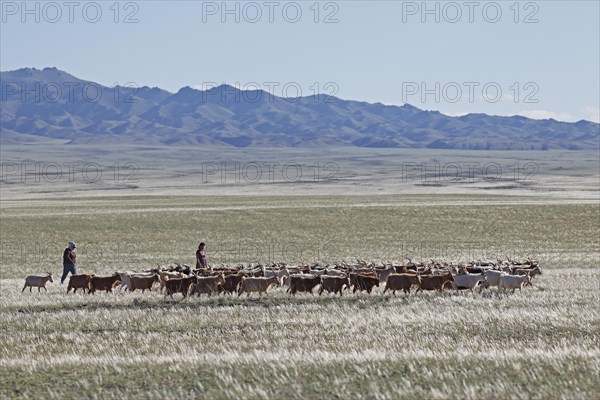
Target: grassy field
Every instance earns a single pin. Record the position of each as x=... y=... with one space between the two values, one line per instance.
x=48 y=171
x=139 y=232
x=542 y=343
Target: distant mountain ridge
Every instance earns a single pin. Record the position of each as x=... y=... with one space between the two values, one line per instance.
x=52 y=104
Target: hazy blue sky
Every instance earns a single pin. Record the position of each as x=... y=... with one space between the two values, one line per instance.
x=376 y=51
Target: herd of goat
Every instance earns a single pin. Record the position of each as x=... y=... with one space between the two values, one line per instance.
x=360 y=276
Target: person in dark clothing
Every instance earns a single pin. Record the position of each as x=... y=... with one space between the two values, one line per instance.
x=69 y=261
x=201 y=256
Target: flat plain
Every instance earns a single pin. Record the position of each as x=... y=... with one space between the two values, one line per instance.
x=540 y=343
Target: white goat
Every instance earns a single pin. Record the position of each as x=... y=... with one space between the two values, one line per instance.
x=514 y=282
x=468 y=281
x=281 y=274
x=493 y=277
x=37 y=281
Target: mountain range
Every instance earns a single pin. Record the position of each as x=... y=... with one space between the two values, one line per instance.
x=52 y=105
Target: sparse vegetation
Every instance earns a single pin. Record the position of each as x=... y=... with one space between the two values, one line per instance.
x=542 y=343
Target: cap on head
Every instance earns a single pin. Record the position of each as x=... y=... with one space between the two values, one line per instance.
x=71 y=245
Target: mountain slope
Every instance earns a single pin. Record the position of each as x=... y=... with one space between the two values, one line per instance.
x=53 y=104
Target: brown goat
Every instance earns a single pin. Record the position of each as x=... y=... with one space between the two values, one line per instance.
x=333 y=284
x=232 y=282
x=256 y=284
x=143 y=282
x=363 y=282
x=180 y=285
x=299 y=283
x=209 y=284
x=401 y=282
x=104 y=282
x=79 y=282
x=436 y=282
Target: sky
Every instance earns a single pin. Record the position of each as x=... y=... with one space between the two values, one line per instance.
x=539 y=59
